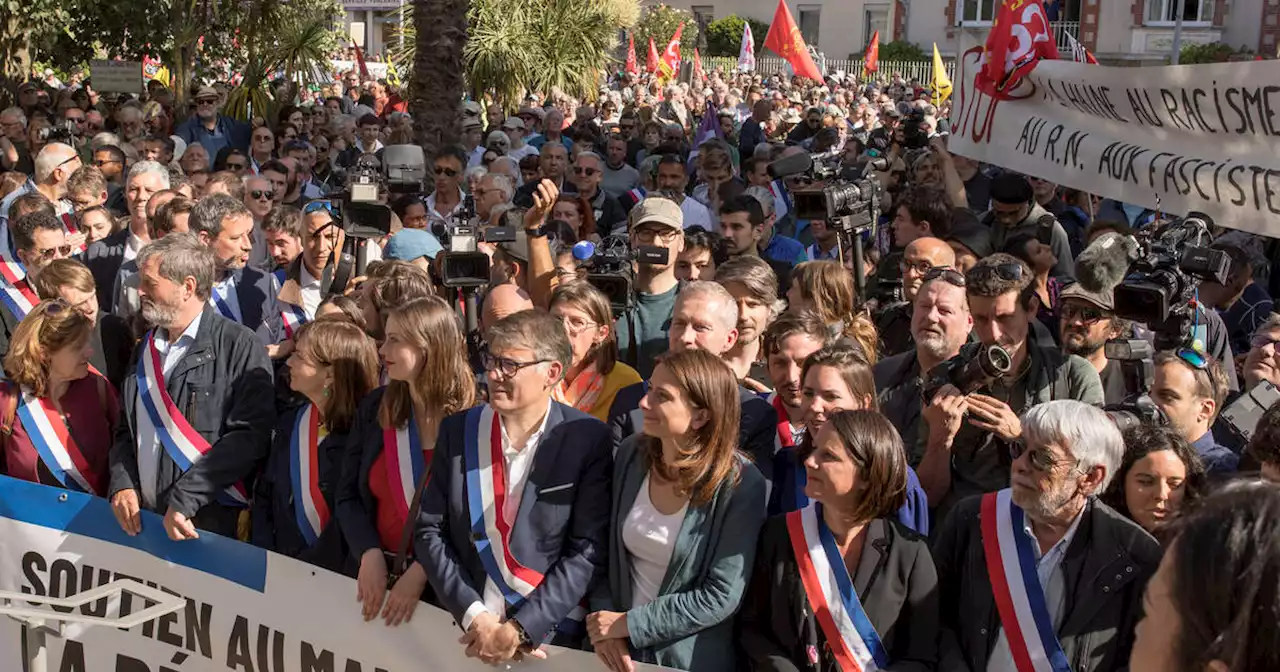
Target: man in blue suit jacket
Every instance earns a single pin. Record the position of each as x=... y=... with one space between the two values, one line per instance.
x=514 y=520
x=240 y=293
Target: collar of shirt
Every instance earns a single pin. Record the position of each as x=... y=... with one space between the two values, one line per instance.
x=510 y=450
x=133 y=243
x=187 y=336
x=306 y=280
x=1049 y=560
x=431 y=206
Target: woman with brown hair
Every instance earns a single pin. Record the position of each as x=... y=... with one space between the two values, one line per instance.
x=57 y=414
x=826 y=288
x=112 y=339
x=595 y=375
x=841 y=584
x=578 y=214
x=334 y=364
x=687 y=509
x=390 y=447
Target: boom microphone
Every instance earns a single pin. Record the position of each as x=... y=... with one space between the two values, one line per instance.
x=795 y=164
x=1104 y=264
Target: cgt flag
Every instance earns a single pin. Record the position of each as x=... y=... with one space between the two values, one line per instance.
x=671 y=55
x=940 y=85
x=1020 y=38
x=651 y=63
x=699 y=76
x=632 y=67
x=871 y=59
x=747 y=53
x=1079 y=52
x=785 y=40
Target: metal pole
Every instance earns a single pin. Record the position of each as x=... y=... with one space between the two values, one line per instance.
x=37 y=652
x=400 y=32
x=1177 y=34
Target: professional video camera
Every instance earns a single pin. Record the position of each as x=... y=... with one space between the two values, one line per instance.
x=62 y=131
x=976 y=367
x=1160 y=286
x=464 y=265
x=1243 y=414
x=611 y=270
x=914 y=137
x=1137 y=369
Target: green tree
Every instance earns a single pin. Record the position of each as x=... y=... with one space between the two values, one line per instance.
x=1216 y=52
x=901 y=50
x=724 y=35
x=660 y=22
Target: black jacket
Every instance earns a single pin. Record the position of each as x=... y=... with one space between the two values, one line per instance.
x=8 y=324
x=104 y=258
x=895 y=581
x=113 y=344
x=355 y=507
x=898 y=389
x=222 y=385
x=1106 y=566
x=275 y=527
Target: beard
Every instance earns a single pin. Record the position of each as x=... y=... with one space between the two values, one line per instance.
x=1078 y=343
x=158 y=314
x=1046 y=505
x=934 y=341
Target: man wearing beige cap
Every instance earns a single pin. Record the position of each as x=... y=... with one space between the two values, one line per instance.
x=1086 y=321
x=642 y=329
x=514 y=127
x=210 y=129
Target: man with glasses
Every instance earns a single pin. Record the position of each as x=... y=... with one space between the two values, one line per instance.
x=259 y=197
x=588 y=172
x=1190 y=387
x=262 y=149
x=642 y=330
x=921 y=256
x=211 y=129
x=554 y=463
x=1070 y=570
x=969 y=436
x=1014 y=210
x=110 y=159
x=38 y=238
x=446 y=200
x=494 y=190
x=1086 y=321
x=53 y=169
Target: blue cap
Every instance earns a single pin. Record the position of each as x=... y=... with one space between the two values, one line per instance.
x=409 y=244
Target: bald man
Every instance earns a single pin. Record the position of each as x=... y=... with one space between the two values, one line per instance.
x=501 y=301
x=894 y=322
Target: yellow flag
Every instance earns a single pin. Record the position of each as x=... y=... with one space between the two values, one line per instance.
x=940 y=87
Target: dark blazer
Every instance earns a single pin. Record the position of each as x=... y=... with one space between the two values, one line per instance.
x=355 y=507
x=1106 y=566
x=561 y=529
x=690 y=625
x=222 y=385
x=895 y=580
x=255 y=292
x=103 y=259
x=275 y=527
x=757 y=429
x=113 y=344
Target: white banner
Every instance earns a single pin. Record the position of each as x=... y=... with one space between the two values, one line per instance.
x=1178 y=138
x=376 y=69
x=247 y=610
x=116 y=76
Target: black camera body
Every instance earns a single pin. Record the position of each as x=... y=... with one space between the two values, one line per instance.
x=464 y=265
x=914 y=137
x=1243 y=414
x=611 y=269
x=976 y=367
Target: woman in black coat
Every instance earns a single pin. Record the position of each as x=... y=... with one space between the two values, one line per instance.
x=843 y=556
x=334 y=364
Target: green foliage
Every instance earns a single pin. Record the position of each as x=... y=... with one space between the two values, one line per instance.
x=724 y=35
x=900 y=50
x=660 y=22
x=1216 y=52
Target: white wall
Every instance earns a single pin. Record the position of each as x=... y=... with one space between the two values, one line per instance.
x=840 y=30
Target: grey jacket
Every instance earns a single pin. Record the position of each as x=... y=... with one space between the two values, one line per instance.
x=690 y=626
x=1060 y=243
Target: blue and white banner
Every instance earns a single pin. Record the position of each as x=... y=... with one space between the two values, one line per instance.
x=247 y=610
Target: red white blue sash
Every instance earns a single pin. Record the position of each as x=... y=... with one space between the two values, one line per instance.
x=406 y=463
x=17 y=295
x=180 y=440
x=69 y=225
x=309 y=506
x=55 y=446
x=1011 y=566
x=292 y=317
x=223 y=301
x=852 y=639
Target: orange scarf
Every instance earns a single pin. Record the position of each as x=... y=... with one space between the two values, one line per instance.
x=583 y=391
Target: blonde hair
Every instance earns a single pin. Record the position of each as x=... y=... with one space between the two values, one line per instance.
x=49 y=327
x=828 y=285
x=445 y=383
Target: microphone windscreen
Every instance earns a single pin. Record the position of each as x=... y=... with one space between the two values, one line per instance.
x=584 y=250
x=787 y=166
x=1104 y=264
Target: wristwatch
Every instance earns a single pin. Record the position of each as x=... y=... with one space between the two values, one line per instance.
x=525 y=642
x=537 y=232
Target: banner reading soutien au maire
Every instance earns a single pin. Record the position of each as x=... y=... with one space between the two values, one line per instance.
x=246 y=610
x=1182 y=139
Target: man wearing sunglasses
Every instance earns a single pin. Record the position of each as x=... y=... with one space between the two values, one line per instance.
x=38 y=238
x=1190 y=388
x=1086 y=321
x=968 y=436
x=1088 y=564
x=210 y=128
x=447 y=198
x=588 y=173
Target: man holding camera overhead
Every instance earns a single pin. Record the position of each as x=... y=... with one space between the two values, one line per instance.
x=969 y=435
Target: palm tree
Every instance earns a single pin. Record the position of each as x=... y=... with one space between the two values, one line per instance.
x=436 y=84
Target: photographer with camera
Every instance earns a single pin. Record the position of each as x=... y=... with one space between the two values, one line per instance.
x=1014 y=210
x=1189 y=387
x=970 y=432
x=642 y=329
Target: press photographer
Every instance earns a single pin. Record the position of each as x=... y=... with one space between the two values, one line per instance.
x=642 y=329
x=969 y=435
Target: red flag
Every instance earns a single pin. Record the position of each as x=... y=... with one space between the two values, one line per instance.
x=1020 y=38
x=785 y=40
x=651 y=64
x=871 y=60
x=671 y=55
x=632 y=67
x=698 y=75
x=364 y=70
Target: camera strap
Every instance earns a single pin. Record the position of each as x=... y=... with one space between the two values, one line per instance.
x=340 y=271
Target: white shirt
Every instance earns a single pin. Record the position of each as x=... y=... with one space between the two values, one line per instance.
x=225 y=291
x=650 y=538
x=309 y=288
x=1054 y=583
x=131 y=246
x=148 y=443
x=696 y=214
x=518 y=462
x=476 y=157
x=434 y=215
x=522 y=151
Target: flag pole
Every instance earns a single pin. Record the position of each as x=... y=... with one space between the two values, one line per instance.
x=1177 y=36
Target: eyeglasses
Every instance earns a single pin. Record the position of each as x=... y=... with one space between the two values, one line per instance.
x=1263 y=340
x=648 y=235
x=54 y=252
x=1040 y=458
x=105 y=162
x=1085 y=314
x=258 y=194
x=262 y=138
x=921 y=267
x=448 y=172
x=1009 y=272
x=73 y=157
x=206 y=101
x=577 y=325
x=507 y=368
x=948 y=275
x=236 y=166
x=577 y=170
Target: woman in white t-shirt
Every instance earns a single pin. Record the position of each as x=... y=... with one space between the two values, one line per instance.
x=687 y=510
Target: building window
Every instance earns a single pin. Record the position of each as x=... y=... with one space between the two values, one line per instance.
x=703 y=14
x=810 y=15
x=873 y=19
x=1165 y=12
x=979 y=11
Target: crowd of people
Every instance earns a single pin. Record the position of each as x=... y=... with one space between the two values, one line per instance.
x=747 y=458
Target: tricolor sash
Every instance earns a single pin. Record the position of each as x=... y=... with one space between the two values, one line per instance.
x=292 y=317
x=309 y=506
x=54 y=444
x=1011 y=566
x=788 y=460
x=219 y=299
x=180 y=440
x=852 y=639
x=406 y=463
x=69 y=225
x=17 y=295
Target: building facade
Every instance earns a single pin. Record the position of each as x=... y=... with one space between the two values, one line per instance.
x=1118 y=31
x=372 y=23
